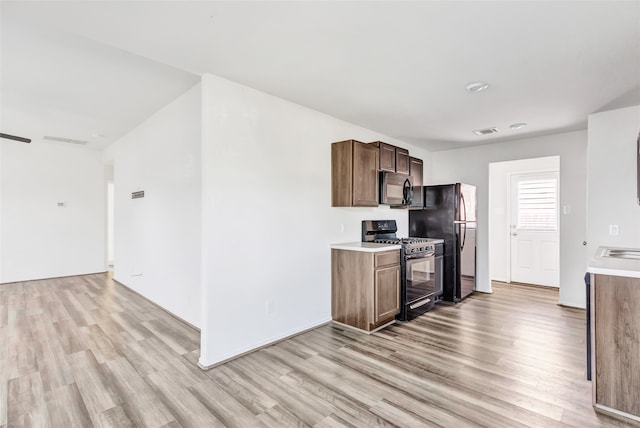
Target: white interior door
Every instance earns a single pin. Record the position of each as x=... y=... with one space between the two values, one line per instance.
x=534 y=228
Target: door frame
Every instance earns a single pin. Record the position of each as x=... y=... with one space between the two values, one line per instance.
x=498 y=226
x=510 y=213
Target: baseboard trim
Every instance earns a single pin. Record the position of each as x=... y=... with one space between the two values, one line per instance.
x=359 y=330
x=266 y=345
x=53 y=277
x=571 y=305
x=525 y=284
x=157 y=305
x=618 y=414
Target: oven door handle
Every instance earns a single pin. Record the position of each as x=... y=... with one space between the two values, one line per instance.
x=420 y=256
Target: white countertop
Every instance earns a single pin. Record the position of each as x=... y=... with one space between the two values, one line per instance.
x=604 y=265
x=370 y=247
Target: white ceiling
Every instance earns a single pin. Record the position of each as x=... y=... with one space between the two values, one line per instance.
x=399 y=68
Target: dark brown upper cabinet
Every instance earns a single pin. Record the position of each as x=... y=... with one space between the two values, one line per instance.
x=392 y=158
x=416 y=170
x=387 y=155
x=402 y=161
x=354 y=174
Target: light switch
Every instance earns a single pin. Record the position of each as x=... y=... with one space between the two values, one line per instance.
x=614 y=230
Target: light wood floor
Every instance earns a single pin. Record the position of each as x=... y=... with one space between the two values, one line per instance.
x=85 y=351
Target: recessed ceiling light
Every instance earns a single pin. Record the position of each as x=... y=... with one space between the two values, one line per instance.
x=518 y=125
x=476 y=87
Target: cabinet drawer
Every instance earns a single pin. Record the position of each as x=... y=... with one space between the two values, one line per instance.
x=388 y=258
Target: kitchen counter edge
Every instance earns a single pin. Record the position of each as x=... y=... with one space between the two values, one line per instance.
x=369 y=247
x=601 y=265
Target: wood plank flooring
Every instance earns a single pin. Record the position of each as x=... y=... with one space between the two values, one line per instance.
x=85 y=351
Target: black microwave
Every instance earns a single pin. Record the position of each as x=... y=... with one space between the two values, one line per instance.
x=396 y=189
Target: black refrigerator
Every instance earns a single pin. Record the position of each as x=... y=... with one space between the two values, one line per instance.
x=449 y=213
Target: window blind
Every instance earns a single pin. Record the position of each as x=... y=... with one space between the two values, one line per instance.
x=538 y=204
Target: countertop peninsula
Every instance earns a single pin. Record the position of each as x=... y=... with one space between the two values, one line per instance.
x=603 y=264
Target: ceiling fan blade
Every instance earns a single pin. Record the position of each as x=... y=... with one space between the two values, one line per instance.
x=13 y=137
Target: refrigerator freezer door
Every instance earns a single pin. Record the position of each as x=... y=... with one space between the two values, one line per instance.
x=468 y=202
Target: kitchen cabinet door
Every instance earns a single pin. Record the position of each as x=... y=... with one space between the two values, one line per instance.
x=354 y=174
x=386 y=293
x=387 y=156
x=416 y=170
x=365 y=176
x=402 y=161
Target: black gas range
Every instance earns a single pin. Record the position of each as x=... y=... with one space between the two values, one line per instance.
x=421 y=266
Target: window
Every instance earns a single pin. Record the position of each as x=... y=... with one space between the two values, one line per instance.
x=538 y=204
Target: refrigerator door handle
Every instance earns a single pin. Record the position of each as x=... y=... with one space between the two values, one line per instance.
x=464 y=236
x=464 y=221
x=464 y=206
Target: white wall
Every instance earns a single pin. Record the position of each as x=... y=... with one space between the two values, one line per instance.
x=157 y=238
x=267 y=216
x=38 y=238
x=612 y=194
x=499 y=208
x=471 y=165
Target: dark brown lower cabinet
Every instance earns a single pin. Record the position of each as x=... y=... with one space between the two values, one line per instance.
x=615 y=344
x=365 y=288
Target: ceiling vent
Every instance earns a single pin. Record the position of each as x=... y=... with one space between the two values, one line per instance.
x=487 y=131
x=65 y=140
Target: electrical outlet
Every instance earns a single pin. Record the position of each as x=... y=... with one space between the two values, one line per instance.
x=271 y=307
x=614 y=230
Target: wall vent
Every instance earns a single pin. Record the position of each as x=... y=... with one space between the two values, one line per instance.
x=65 y=140
x=486 y=131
